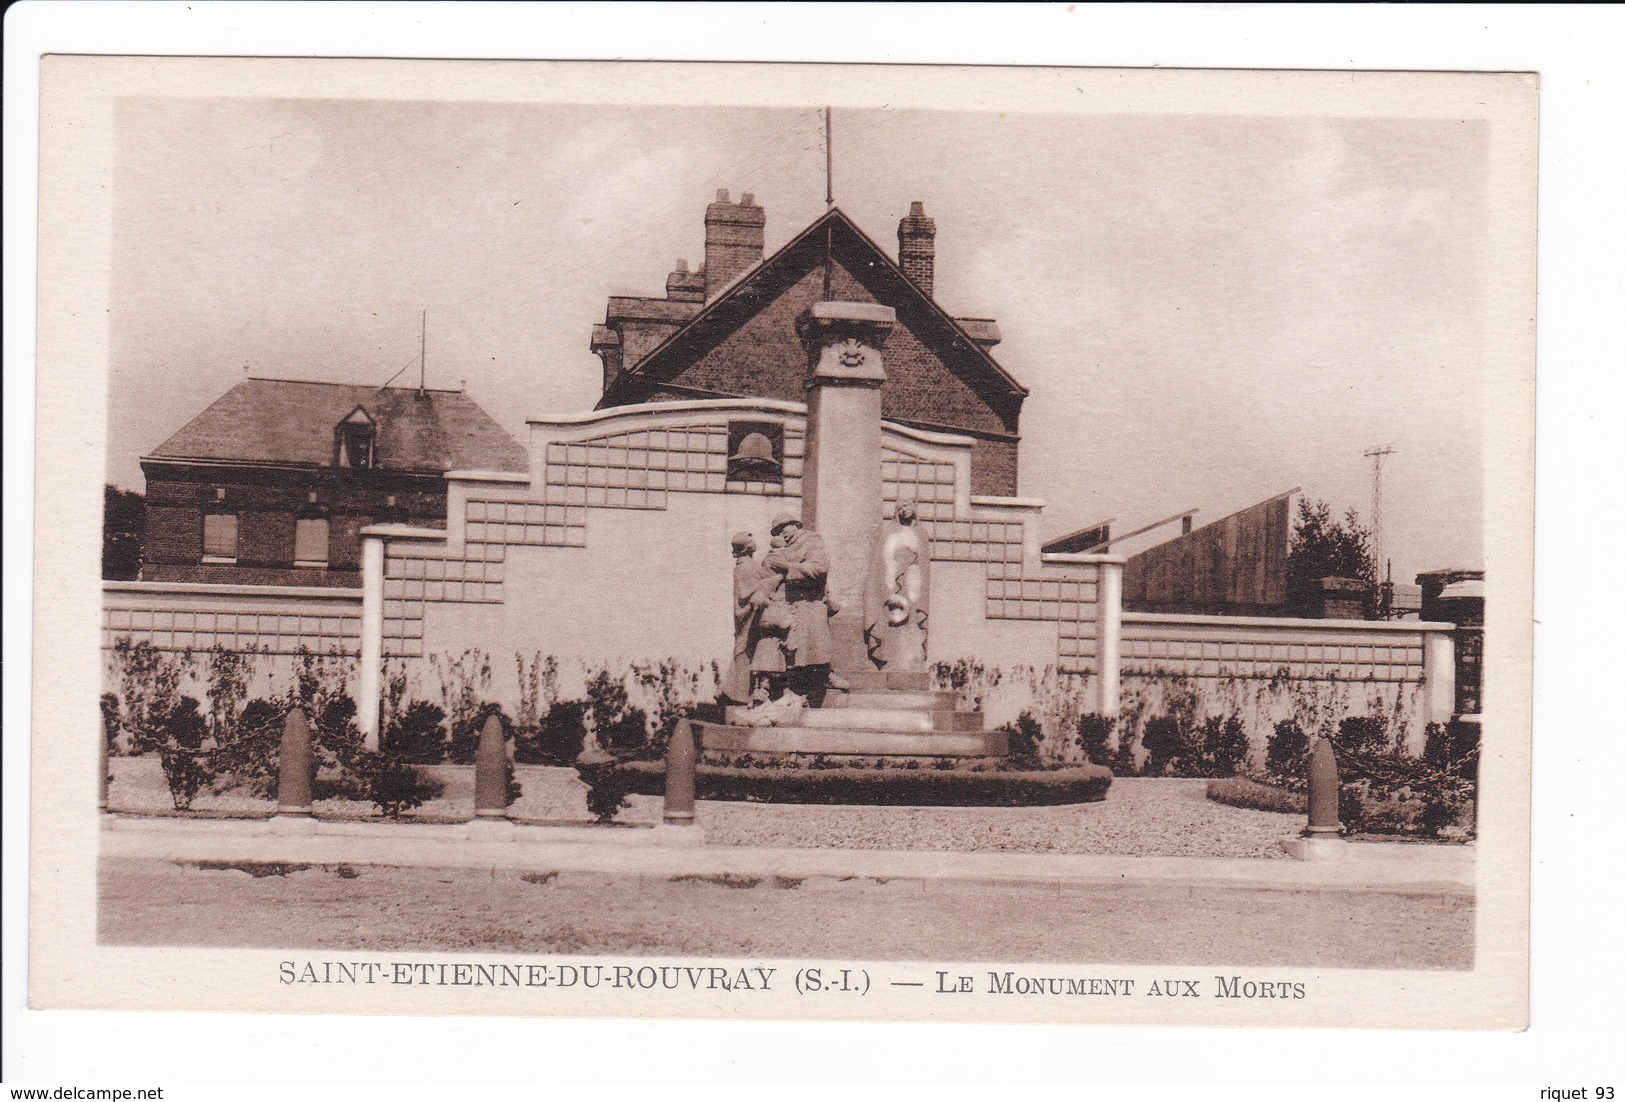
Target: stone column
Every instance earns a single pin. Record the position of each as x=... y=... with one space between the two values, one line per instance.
x=369 y=682
x=1438 y=676
x=840 y=482
x=1109 y=650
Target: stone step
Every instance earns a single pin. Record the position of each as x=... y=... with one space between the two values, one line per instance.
x=880 y=680
x=831 y=741
x=874 y=719
x=929 y=700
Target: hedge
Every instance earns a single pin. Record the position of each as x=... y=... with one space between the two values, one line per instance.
x=848 y=785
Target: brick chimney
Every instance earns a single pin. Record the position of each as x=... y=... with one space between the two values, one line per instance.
x=734 y=239
x=916 y=248
x=683 y=285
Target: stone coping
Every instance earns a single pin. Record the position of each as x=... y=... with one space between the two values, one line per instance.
x=1284 y=622
x=486 y=476
x=404 y=532
x=347 y=594
x=995 y=501
x=1081 y=558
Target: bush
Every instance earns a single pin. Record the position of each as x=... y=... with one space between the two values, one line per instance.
x=344 y=765
x=779 y=782
x=1453 y=747
x=1224 y=745
x=1363 y=735
x=395 y=787
x=1024 y=735
x=607 y=785
x=1258 y=796
x=557 y=739
x=619 y=728
x=1124 y=762
x=418 y=736
x=110 y=724
x=1094 y=737
x=1288 y=751
x=465 y=736
x=1161 y=740
x=184 y=730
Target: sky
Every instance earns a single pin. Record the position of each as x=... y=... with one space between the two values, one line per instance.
x=1207 y=310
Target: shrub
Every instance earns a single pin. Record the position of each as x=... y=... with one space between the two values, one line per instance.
x=1094 y=737
x=557 y=739
x=1248 y=793
x=1161 y=740
x=619 y=728
x=1025 y=735
x=1124 y=762
x=418 y=737
x=395 y=787
x=344 y=765
x=1287 y=753
x=248 y=757
x=1224 y=745
x=110 y=724
x=184 y=731
x=1453 y=747
x=771 y=782
x=607 y=785
x=465 y=735
x=1362 y=735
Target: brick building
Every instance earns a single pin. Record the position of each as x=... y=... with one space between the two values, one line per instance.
x=728 y=330
x=273 y=482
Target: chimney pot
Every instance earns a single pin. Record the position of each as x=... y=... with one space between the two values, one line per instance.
x=916 y=209
x=747 y=200
x=722 y=195
x=682 y=265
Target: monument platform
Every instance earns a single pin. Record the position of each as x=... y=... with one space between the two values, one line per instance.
x=882 y=715
x=851 y=742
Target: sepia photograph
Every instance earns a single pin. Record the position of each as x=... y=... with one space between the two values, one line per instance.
x=793 y=541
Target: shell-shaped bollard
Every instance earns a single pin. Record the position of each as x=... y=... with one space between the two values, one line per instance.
x=491 y=771
x=296 y=767
x=1323 y=791
x=680 y=776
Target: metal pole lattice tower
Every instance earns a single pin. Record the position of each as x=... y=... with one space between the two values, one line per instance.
x=1376 y=455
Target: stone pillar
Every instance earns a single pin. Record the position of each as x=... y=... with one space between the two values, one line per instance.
x=1438 y=677
x=369 y=681
x=1109 y=650
x=840 y=482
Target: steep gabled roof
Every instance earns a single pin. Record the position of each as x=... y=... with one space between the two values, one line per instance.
x=860 y=255
x=288 y=422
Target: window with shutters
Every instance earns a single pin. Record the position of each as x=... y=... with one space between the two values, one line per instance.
x=310 y=541
x=220 y=537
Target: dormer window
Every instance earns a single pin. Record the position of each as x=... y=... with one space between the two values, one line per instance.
x=355 y=441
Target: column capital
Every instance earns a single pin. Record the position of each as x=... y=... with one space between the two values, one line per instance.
x=843 y=342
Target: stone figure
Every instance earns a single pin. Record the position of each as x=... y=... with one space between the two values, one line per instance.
x=897 y=599
x=748 y=576
x=803 y=564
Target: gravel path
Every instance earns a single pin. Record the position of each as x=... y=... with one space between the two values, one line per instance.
x=1138 y=817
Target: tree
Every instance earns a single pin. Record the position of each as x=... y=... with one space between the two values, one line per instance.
x=124 y=522
x=1326 y=548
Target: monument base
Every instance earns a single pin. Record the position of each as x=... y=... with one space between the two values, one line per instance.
x=880 y=715
x=850 y=742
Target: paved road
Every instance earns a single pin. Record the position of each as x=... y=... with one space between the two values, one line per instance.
x=147 y=901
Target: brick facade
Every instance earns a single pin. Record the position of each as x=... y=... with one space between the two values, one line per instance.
x=268 y=504
x=940 y=375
